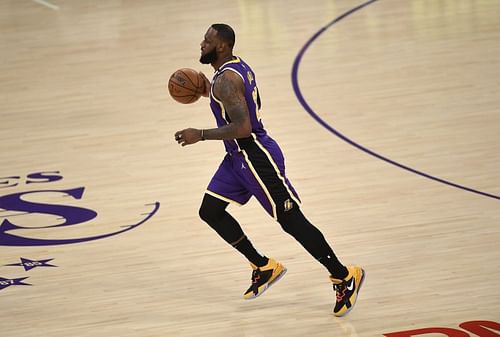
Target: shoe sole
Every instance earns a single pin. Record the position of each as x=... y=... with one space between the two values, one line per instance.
x=357 y=292
x=268 y=285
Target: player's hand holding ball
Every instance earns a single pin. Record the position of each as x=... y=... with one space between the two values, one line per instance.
x=187 y=85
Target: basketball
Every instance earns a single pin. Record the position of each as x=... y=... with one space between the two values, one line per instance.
x=186 y=85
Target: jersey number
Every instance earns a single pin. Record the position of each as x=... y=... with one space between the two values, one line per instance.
x=255 y=95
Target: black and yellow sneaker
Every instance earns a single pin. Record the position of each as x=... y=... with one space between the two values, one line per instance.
x=263 y=278
x=346 y=290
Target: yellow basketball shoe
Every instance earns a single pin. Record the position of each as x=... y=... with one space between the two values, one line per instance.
x=264 y=277
x=346 y=290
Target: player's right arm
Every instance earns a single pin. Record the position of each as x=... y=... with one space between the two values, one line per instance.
x=229 y=89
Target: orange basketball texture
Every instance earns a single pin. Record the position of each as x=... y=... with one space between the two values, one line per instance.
x=186 y=85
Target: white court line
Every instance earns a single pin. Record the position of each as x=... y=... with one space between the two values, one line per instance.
x=47 y=4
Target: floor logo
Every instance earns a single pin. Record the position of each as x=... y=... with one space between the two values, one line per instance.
x=15 y=204
x=466 y=329
x=7 y=282
x=28 y=264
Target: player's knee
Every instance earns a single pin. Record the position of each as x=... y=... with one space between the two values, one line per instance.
x=207 y=214
x=288 y=221
x=211 y=209
x=295 y=223
x=289 y=228
x=203 y=212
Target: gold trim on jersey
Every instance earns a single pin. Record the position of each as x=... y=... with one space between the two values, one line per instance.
x=218 y=196
x=222 y=109
x=261 y=183
x=275 y=166
x=236 y=60
x=223 y=112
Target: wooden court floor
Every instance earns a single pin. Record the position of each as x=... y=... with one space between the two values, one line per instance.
x=389 y=120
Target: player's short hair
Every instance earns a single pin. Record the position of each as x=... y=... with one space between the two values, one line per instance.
x=225 y=33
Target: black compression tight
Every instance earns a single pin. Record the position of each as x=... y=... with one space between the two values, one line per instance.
x=295 y=223
x=213 y=212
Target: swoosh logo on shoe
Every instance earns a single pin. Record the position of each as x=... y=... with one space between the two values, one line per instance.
x=350 y=287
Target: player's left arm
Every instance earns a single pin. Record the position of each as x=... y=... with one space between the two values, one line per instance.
x=229 y=89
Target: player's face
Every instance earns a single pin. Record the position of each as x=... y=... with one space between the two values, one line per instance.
x=208 y=47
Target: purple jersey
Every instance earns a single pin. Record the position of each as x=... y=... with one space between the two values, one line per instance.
x=252 y=99
x=253 y=166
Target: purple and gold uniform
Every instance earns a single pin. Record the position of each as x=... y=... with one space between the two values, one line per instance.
x=254 y=165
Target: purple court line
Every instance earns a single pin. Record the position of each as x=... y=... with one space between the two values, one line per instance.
x=300 y=97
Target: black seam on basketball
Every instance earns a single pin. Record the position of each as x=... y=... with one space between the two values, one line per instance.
x=184 y=95
x=193 y=99
x=196 y=90
x=180 y=85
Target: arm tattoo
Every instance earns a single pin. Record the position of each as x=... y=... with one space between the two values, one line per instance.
x=231 y=95
x=230 y=91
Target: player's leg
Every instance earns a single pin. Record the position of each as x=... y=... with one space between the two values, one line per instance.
x=278 y=197
x=265 y=178
x=346 y=280
x=310 y=237
x=224 y=188
x=213 y=212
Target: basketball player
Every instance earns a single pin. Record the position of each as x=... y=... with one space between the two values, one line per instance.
x=254 y=166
